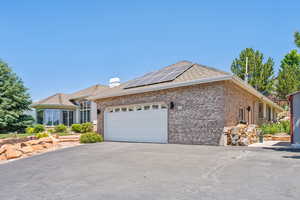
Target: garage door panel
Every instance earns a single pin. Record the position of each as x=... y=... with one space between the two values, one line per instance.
x=137 y=126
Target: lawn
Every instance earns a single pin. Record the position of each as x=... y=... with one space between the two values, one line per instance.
x=13 y=135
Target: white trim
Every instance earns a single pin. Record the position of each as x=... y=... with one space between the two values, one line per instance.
x=232 y=78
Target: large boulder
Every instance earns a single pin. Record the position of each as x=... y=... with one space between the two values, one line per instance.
x=27 y=149
x=3 y=156
x=38 y=147
x=12 y=152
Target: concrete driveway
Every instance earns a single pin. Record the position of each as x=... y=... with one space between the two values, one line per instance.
x=153 y=171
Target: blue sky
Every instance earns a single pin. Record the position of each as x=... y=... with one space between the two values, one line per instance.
x=62 y=46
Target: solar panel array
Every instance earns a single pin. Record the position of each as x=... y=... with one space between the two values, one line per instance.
x=163 y=75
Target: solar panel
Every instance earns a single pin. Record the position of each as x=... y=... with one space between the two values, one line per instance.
x=163 y=75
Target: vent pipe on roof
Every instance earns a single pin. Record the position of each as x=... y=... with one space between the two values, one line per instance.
x=113 y=82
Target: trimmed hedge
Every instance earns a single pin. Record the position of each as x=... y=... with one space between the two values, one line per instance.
x=61 y=128
x=38 y=128
x=41 y=135
x=76 y=128
x=90 y=137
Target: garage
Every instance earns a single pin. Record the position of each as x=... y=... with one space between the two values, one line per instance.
x=137 y=123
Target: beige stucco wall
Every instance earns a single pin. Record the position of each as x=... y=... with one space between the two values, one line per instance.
x=198 y=115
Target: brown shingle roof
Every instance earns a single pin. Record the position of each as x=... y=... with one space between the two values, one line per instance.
x=59 y=99
x=65 y=100
x=196 y=72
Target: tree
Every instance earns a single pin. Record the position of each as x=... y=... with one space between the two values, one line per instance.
x=297 y=39
x=261 y=74
x=14 y=101
x=288 y=80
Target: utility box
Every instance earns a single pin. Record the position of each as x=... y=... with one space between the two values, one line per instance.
x=294 y=100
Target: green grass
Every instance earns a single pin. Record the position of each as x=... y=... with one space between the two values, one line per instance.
x=13 y=135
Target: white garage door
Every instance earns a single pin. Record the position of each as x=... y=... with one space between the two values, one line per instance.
x=140 y=123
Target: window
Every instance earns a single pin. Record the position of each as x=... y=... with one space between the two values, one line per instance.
x=146 y=107
x=138 y=108
x=117 y=109
x=52 y=117
x=260 y=110
x=155 y=107
x=68 y=117
x=269 y=113
x=163 y=107
x=130 y=109
x=124 y=109
x=85 y=111
x=241 y=114
x=40 y=116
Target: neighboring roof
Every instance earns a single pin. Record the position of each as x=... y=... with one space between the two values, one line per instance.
x=65 y=100
x=57 y=100
x=197 y=74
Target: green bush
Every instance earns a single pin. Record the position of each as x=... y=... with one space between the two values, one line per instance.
x=61 y=128
x=86 y=127
x=29 y=130
x=279 y=127
x=41 y=135
x=76 y=128
x=39 y=128
x=90 y=137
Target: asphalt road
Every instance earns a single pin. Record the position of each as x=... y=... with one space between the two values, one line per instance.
x=153 y=171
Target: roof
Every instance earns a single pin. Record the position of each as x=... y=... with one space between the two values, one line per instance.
x=88 y=91
x=65 y=100
x=197 y=71
x=197 y=74
x=57 y=100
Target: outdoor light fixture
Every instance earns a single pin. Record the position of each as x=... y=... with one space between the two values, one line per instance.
x=98 y=111
x=172 y=105
x=248 y=108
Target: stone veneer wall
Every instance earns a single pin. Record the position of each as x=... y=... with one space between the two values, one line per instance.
x=235 y=98
x=198 y=116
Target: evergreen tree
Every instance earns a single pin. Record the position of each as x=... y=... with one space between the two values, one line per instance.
x=288 y=80
x=14 y=101
x=260 y=73
x=297 y=39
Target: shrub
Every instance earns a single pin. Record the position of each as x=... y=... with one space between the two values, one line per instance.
x=90 y=137
x=41 y=135
x=76 y=128
x=61 y=128
x=279 y=127
x=39 y=128
x=86 y=127
x=29 y=130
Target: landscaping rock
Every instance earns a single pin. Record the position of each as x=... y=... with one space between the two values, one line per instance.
x=38 y=147
x=241 y=134
x=27 y=149
x=46 y=139
x=12 y=153
x=3 y=156
x=2 y=150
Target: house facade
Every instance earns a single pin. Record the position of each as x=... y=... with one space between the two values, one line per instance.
x=183 y=103
x=68 y=109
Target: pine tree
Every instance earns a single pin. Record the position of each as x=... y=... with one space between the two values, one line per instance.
x=288 y=80
x=297 y=39
x=260 y=73
x=14 y=101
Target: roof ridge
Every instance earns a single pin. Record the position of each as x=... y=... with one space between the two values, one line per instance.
x=212 y=68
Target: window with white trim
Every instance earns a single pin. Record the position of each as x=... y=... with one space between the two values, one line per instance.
x=85 y=111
